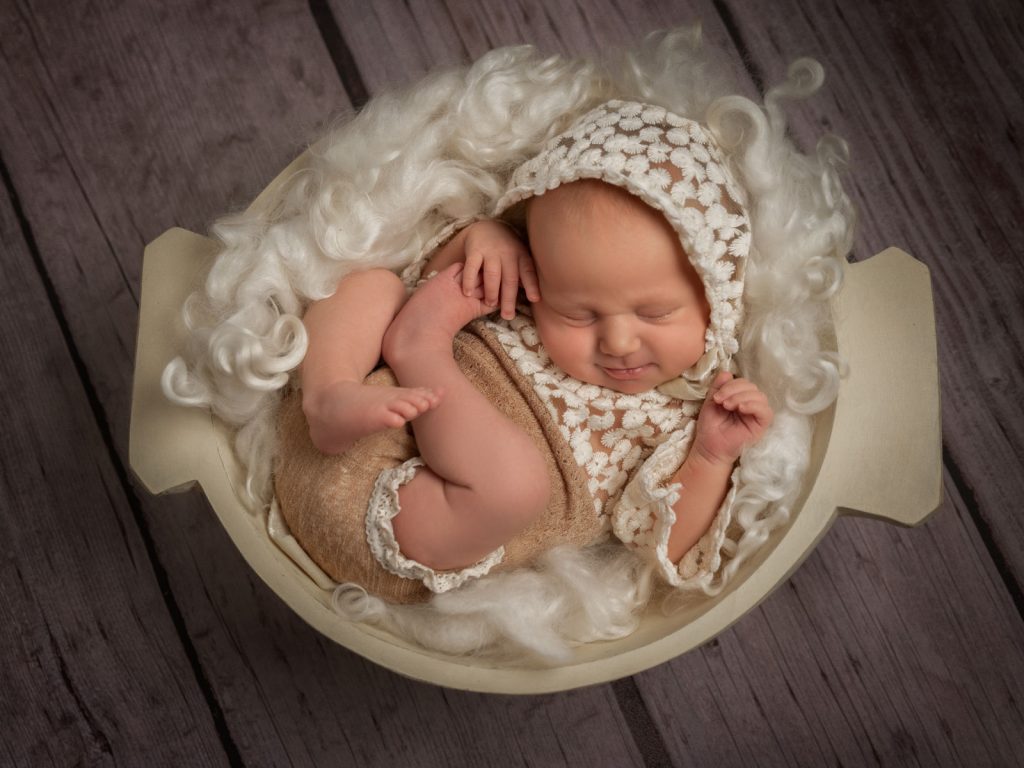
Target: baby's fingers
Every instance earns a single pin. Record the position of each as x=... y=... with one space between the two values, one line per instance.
x=471 y=273
x=757 y=408
x=743 y=399
x=732 y=388
x=509 y=293
x=492 y=282
x=528 y=276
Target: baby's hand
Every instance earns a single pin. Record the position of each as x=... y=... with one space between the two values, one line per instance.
x=734 y=416
x=496 y=255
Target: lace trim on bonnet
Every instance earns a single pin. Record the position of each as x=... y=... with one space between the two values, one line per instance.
x=675 y=166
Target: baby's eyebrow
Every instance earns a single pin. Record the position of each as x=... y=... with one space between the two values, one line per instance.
x=642 y=308
x=573 y=307
x=662 y=306
x=583 y=302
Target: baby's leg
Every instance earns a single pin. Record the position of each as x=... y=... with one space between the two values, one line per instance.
x=345 y=333
x=485 y=480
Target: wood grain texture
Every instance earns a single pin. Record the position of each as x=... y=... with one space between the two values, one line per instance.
x=395 y=43
x=85 y=636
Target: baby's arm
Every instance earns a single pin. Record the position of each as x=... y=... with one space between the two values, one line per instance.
x=495 y=254
x=734 y=415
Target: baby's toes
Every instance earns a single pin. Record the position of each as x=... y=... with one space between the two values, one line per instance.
x=420 y=397
x=404 y=408
x=393 y=420
x=419 y=402
x=433 y=397
x=413 y=398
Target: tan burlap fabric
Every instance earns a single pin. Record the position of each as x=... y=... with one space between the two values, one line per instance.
x=323 y=498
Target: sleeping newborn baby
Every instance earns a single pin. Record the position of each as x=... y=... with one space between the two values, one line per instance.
x=604 y=404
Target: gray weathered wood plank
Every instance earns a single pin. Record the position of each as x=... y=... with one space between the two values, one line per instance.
x=396 y=42
x=86 y=638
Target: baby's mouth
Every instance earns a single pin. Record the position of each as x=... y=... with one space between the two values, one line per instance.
x=626 y=374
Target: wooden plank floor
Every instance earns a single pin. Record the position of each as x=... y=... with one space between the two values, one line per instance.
x=132 y=632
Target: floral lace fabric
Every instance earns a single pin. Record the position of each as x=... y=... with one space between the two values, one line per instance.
x=644 y=518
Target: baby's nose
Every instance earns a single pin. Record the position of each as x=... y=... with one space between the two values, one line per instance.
x=618 y=338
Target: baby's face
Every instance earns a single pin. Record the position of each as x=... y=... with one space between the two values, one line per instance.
x=621 y=306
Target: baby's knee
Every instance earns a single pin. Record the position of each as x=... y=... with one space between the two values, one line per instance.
x=379 y=281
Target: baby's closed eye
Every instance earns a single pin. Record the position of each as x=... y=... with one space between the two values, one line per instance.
x=656 y=313
x=577 y=318
x=580 y=317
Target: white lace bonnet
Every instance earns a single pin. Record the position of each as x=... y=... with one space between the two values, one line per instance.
x=674 y=165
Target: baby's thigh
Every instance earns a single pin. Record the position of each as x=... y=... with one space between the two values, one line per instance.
x=446 y=526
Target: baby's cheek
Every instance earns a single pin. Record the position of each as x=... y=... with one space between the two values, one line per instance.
x=565 y=345
x=695 y=348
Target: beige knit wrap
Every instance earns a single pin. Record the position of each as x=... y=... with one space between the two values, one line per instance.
x=324 y=498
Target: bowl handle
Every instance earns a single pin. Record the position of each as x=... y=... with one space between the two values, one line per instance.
x=170 y=447
x=886 y=434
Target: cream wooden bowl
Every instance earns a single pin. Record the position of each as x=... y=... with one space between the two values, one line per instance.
x=876 y=452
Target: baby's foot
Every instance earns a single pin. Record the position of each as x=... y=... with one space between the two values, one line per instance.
x=432 y=316
x=349 y=411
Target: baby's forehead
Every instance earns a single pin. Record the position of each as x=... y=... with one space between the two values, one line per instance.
x=594 y=212
x=613 y=272
x=584 y=196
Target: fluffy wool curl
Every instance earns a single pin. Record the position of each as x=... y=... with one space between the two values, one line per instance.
x=381 y=186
